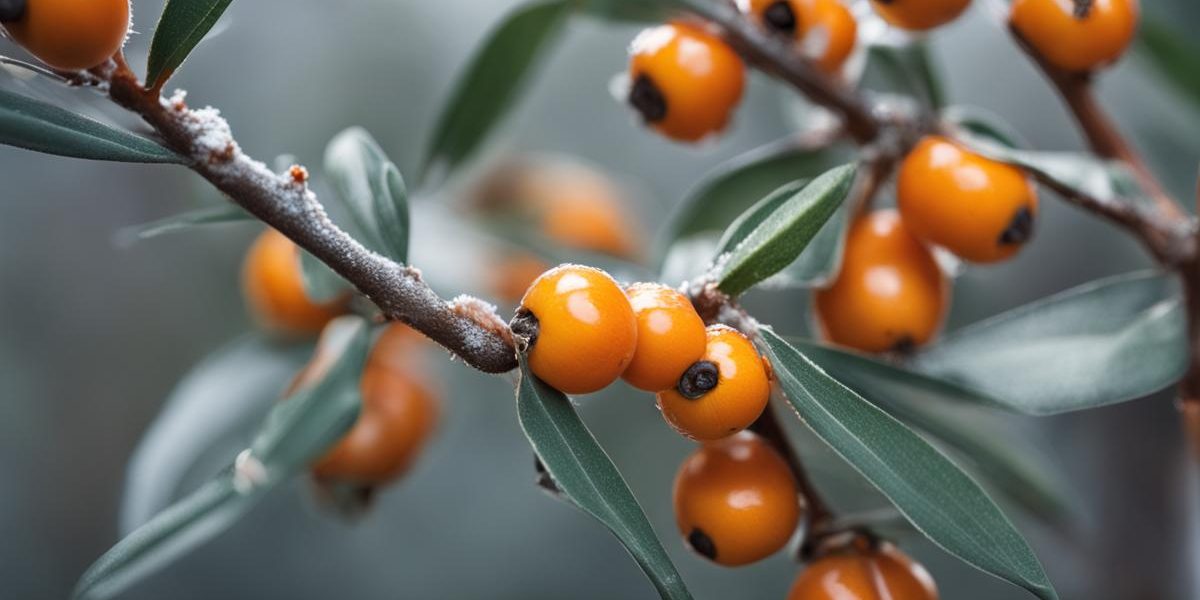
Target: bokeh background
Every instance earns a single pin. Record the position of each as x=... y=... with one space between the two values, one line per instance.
x=94 y=334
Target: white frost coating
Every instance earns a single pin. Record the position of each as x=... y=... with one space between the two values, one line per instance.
x=248 y=472
x=482 y=313
x=738 y=319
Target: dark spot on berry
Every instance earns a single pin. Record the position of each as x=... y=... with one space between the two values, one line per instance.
x=525 y=325
x=11 y=10
x=1020 y=229
x=1082 y=9
x=702 y=544
x=699 y=379
x=905 y=345
x=648 y=99
x=780 y=17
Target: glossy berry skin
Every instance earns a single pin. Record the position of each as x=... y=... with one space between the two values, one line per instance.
x=684 y=81
x=825 y=29
x=399 y=413
x=273 y=286
x=736 y=500
x=890 y=293
x=919 y=15
x=584 y=330
x=721 y=394
x=71 y=34
x=980 y=209
x=671 y=337
x=1074 y=36
x=864 y=575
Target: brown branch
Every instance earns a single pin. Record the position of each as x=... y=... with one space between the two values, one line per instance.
x=466 y=327
x=820 y=515
x=1102 y=133
x=779 y=57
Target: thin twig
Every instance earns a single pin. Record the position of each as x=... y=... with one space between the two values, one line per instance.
x=767 y=426
x=779 y=57
x=467 y=327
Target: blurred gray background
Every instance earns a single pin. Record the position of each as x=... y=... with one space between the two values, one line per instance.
x=93 y=336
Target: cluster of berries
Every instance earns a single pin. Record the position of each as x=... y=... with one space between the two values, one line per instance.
x=400 y=405
x=685 y=81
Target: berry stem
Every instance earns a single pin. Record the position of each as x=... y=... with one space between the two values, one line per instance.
x=203 y=138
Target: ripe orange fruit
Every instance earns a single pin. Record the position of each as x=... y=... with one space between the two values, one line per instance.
x=825 y=29
x=722 y=393
x=736 y=500
x=870 y=574
x=890 y=293
x=684 y=81
x=274 y=288
x=1078 y=36
x=70 y=35
x=978 y=208
x=670 y=337
x=582 y=328
x=919 y=15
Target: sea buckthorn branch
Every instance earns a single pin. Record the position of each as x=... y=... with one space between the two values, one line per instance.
x=819 y=515
x=1170 y=233
x=779 y=57
x=467 y=327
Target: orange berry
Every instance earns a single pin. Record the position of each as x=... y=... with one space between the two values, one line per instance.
x=884 y=572
x=919 y=15
x=826 y=29
x=670 y=338
x=398 y=415
x=890 y=293
x=69 y=34
x=980 y=209
x=722 y=393
x=398 y=348
x=582 y=328
x=1077 y=36
x=684 y=81
x=274 y=288
x=736 y=500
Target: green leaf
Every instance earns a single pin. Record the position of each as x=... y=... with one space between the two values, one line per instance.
x=205 y=422
x=1104 y=342
x=587 y=477
x=492 y=81
x=984 y=123
x=735 y=186
x=294 y=434
x=182 y=25
x=372 y=189
x=1173 y=55
x=1105 y=180
x=905 y=69
x=42 y=127
x=321 y=284
x=630 y=11
x=937 y=497
x=780 y=238
x=941 y=410
x=209 y=215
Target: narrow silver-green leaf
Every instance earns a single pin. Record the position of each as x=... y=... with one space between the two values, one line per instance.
x=1104 y=342
x=209 y=215
x=587 y=477
x=372 y=189
x=182 y=25
x=735 y=186
x=1105 y=180
x=1174 y=56
x=492 y=81
x=205 y=421
x=937 y=497
x=780 y=238
x=905 y=69
x=294 y=433
x=42 y=127
x=943 y=411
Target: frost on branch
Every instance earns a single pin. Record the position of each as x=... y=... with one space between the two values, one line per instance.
x=483 y=314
